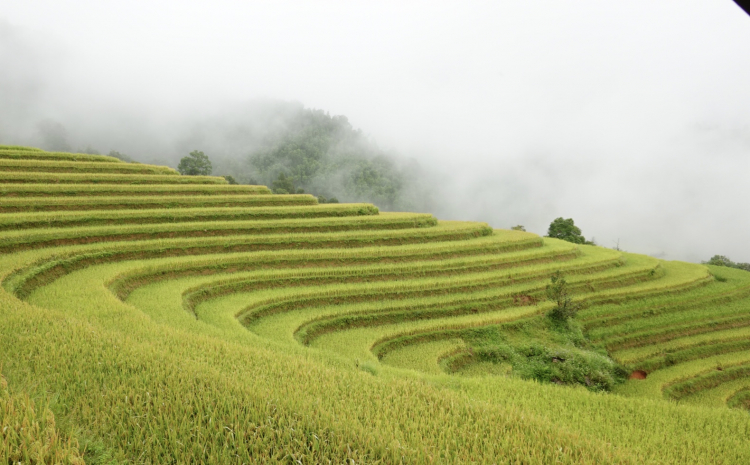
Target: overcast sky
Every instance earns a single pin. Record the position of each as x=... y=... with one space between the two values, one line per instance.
x=633 y=118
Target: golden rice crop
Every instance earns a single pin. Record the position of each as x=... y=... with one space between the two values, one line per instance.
x=19 y=177
x=121 y=343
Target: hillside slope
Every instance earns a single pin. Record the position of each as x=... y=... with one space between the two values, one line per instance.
x=173 y=319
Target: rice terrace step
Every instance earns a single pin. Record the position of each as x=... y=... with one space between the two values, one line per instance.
x=157 y=315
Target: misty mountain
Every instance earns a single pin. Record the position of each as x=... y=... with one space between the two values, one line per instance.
x=321 y=154
x=258 y=141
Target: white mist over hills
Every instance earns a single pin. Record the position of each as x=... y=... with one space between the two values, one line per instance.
x=632 y=119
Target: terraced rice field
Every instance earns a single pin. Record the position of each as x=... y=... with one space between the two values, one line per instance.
x=149 y=317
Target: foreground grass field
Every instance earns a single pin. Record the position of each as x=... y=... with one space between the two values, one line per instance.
x=150 y=321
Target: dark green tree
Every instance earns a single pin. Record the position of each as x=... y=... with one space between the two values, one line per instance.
x=557 y=291
x=121 y=156
x=326 y=156
x=566 y=230
x=195 y=164
x=230 y=179
x=722 y=260
x=283 y=185
x=518 y=227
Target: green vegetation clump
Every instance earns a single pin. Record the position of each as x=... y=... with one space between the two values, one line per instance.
x=721 y=260
x=325 y=155
x=566 y=230
x=195 y=164
x=285 y=185
x=557 y=292
x=120 y=156
x=546 y=352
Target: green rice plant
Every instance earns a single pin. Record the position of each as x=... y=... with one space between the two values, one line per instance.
x=693 y=353
x=38 y=204
x=476 y=254
x=151 y=280
x=657 y=382
x=740 y=399
x=524 y=278
x=425 y=358
x=61 y=219
x=52 y=237
x=19 y=148
x=669 y=327
x=738 y=287
x=722 y=374
x=661 y=335
x=716 y=397
x=664 y=354
x=632 y=291
x=17 y=177
x=341 y=274
x=701 y=297
x=323 y=325
x=440 y=304
x=499 y=242
x=103 y=338
x=62 y=166
x=475 y=280
x=116 y=190
x=273 y=414
x=28 y=434
x=24 y=280
x=634 y=329
x=566 y=409
x=681 y=277
x=26 y=153
x=660 y=431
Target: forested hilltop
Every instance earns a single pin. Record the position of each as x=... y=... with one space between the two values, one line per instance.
x=281 y=144
x=326 y=156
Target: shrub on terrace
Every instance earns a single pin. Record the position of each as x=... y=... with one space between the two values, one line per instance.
x=557 y=291
x=195 y=164
x=566 y=230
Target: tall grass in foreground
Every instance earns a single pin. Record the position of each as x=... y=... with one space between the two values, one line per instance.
x=28 y=433
x=162 y=395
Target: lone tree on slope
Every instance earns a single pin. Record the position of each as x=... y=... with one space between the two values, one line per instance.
x=566 y=230
x=557 y=291
x=195 y=164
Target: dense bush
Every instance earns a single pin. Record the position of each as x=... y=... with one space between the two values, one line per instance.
x=721 y=260
x=195 y=164
x=324 y=155
x=557 y=291
x=544 y=363
x=566 y=230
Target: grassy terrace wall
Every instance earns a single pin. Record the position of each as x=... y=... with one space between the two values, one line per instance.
x=149 y=317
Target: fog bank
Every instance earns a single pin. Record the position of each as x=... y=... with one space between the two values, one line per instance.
x=632 y=119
